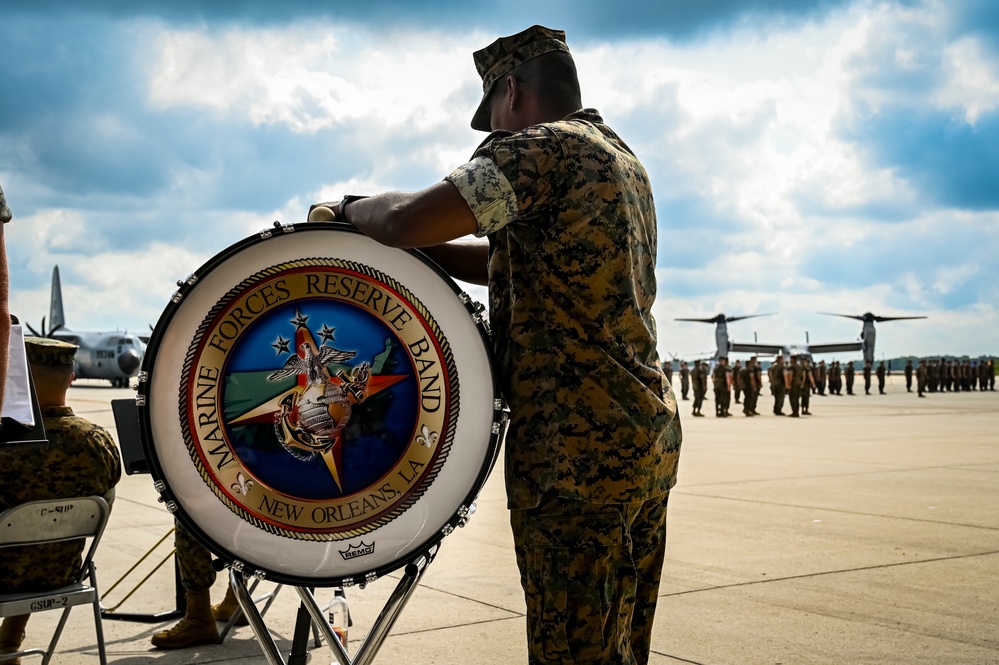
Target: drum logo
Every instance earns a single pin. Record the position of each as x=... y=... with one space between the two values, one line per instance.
x=319 y=400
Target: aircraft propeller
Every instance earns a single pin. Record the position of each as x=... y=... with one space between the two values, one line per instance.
x=867 y=317
x=721 y=318
x=44 y=333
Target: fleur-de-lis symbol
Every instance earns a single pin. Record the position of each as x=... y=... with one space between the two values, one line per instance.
x=427 y=438
x=242 y=485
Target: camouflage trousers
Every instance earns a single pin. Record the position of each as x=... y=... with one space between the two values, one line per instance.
x=779 y=400
x=194 y=560
x=794 y=396
x=723 y=400
x=591 y=575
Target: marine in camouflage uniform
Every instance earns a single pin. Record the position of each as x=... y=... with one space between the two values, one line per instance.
x=594 y=439
x=797 y=373
x=737 y=380
x=848 y=375
x=751 y=387
x=684 y=379
x=778 y=385
x=699 y=381
x=808 y=386
x=723 y=394
x=881 y=377
x=81 y=459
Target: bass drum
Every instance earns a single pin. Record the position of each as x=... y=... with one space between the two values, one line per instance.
x=318 y=408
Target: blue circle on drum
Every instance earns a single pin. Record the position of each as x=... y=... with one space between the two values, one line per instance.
x=379 y=428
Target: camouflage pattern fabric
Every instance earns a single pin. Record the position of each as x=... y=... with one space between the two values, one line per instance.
x=591 y=575
x=749 y=385
x=194 y=560
x=80 y=460
x=778 y=386
x=5 y=214
x=572 y=229
x=722 y=394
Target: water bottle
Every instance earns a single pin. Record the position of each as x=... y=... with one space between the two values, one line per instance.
x=339 y=616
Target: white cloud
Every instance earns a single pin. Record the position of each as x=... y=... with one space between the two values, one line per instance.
x=311 y=76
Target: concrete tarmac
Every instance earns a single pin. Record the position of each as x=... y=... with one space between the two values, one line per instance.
x=866 y=533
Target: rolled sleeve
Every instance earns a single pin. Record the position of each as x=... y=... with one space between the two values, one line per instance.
x=487 y=192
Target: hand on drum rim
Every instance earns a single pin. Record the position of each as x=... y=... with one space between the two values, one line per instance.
x=330 y=211
x=323 y=212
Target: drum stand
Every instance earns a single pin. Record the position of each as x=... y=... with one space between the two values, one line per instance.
x=412 y=574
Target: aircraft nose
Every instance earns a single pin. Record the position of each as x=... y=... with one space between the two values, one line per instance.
x=129 y=361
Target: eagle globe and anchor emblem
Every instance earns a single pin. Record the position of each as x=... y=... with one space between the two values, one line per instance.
x=290 y=431
x=310 y=423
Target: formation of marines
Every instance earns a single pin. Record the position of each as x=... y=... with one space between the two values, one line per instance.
x=943 y=375
x=794 y=383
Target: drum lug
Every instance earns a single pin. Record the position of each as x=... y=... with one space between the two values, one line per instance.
x=477 y=310
x=159 y=486
x=140 y=400
x=465 y=514
x=181 y=283
x=368 y=579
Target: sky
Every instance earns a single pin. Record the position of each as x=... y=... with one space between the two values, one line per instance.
x=806 y=156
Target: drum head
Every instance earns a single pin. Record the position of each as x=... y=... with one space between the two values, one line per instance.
x=317 y=407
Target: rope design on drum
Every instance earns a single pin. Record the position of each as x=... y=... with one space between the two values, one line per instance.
x=453 y=405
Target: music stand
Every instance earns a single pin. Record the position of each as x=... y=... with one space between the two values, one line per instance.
x=133 y=461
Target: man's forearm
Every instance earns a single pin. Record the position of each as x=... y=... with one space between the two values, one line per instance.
x=436 y=220
x=464 y=259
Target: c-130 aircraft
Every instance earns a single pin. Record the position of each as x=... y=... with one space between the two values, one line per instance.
x=115 y=356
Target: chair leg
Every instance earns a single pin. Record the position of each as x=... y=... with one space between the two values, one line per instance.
x=55 y=636
x=98 y=621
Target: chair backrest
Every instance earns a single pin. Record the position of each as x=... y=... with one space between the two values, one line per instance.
x=55 y=520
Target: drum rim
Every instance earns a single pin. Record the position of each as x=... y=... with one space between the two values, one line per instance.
x=426 y=548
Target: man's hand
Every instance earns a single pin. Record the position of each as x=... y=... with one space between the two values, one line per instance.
x=322 y=212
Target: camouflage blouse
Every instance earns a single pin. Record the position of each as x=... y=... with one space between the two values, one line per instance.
x=571 y=223
x=80 y=460
x=5 y=214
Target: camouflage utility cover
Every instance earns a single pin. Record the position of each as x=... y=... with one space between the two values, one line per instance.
x=572 y=228
x=80 y=460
